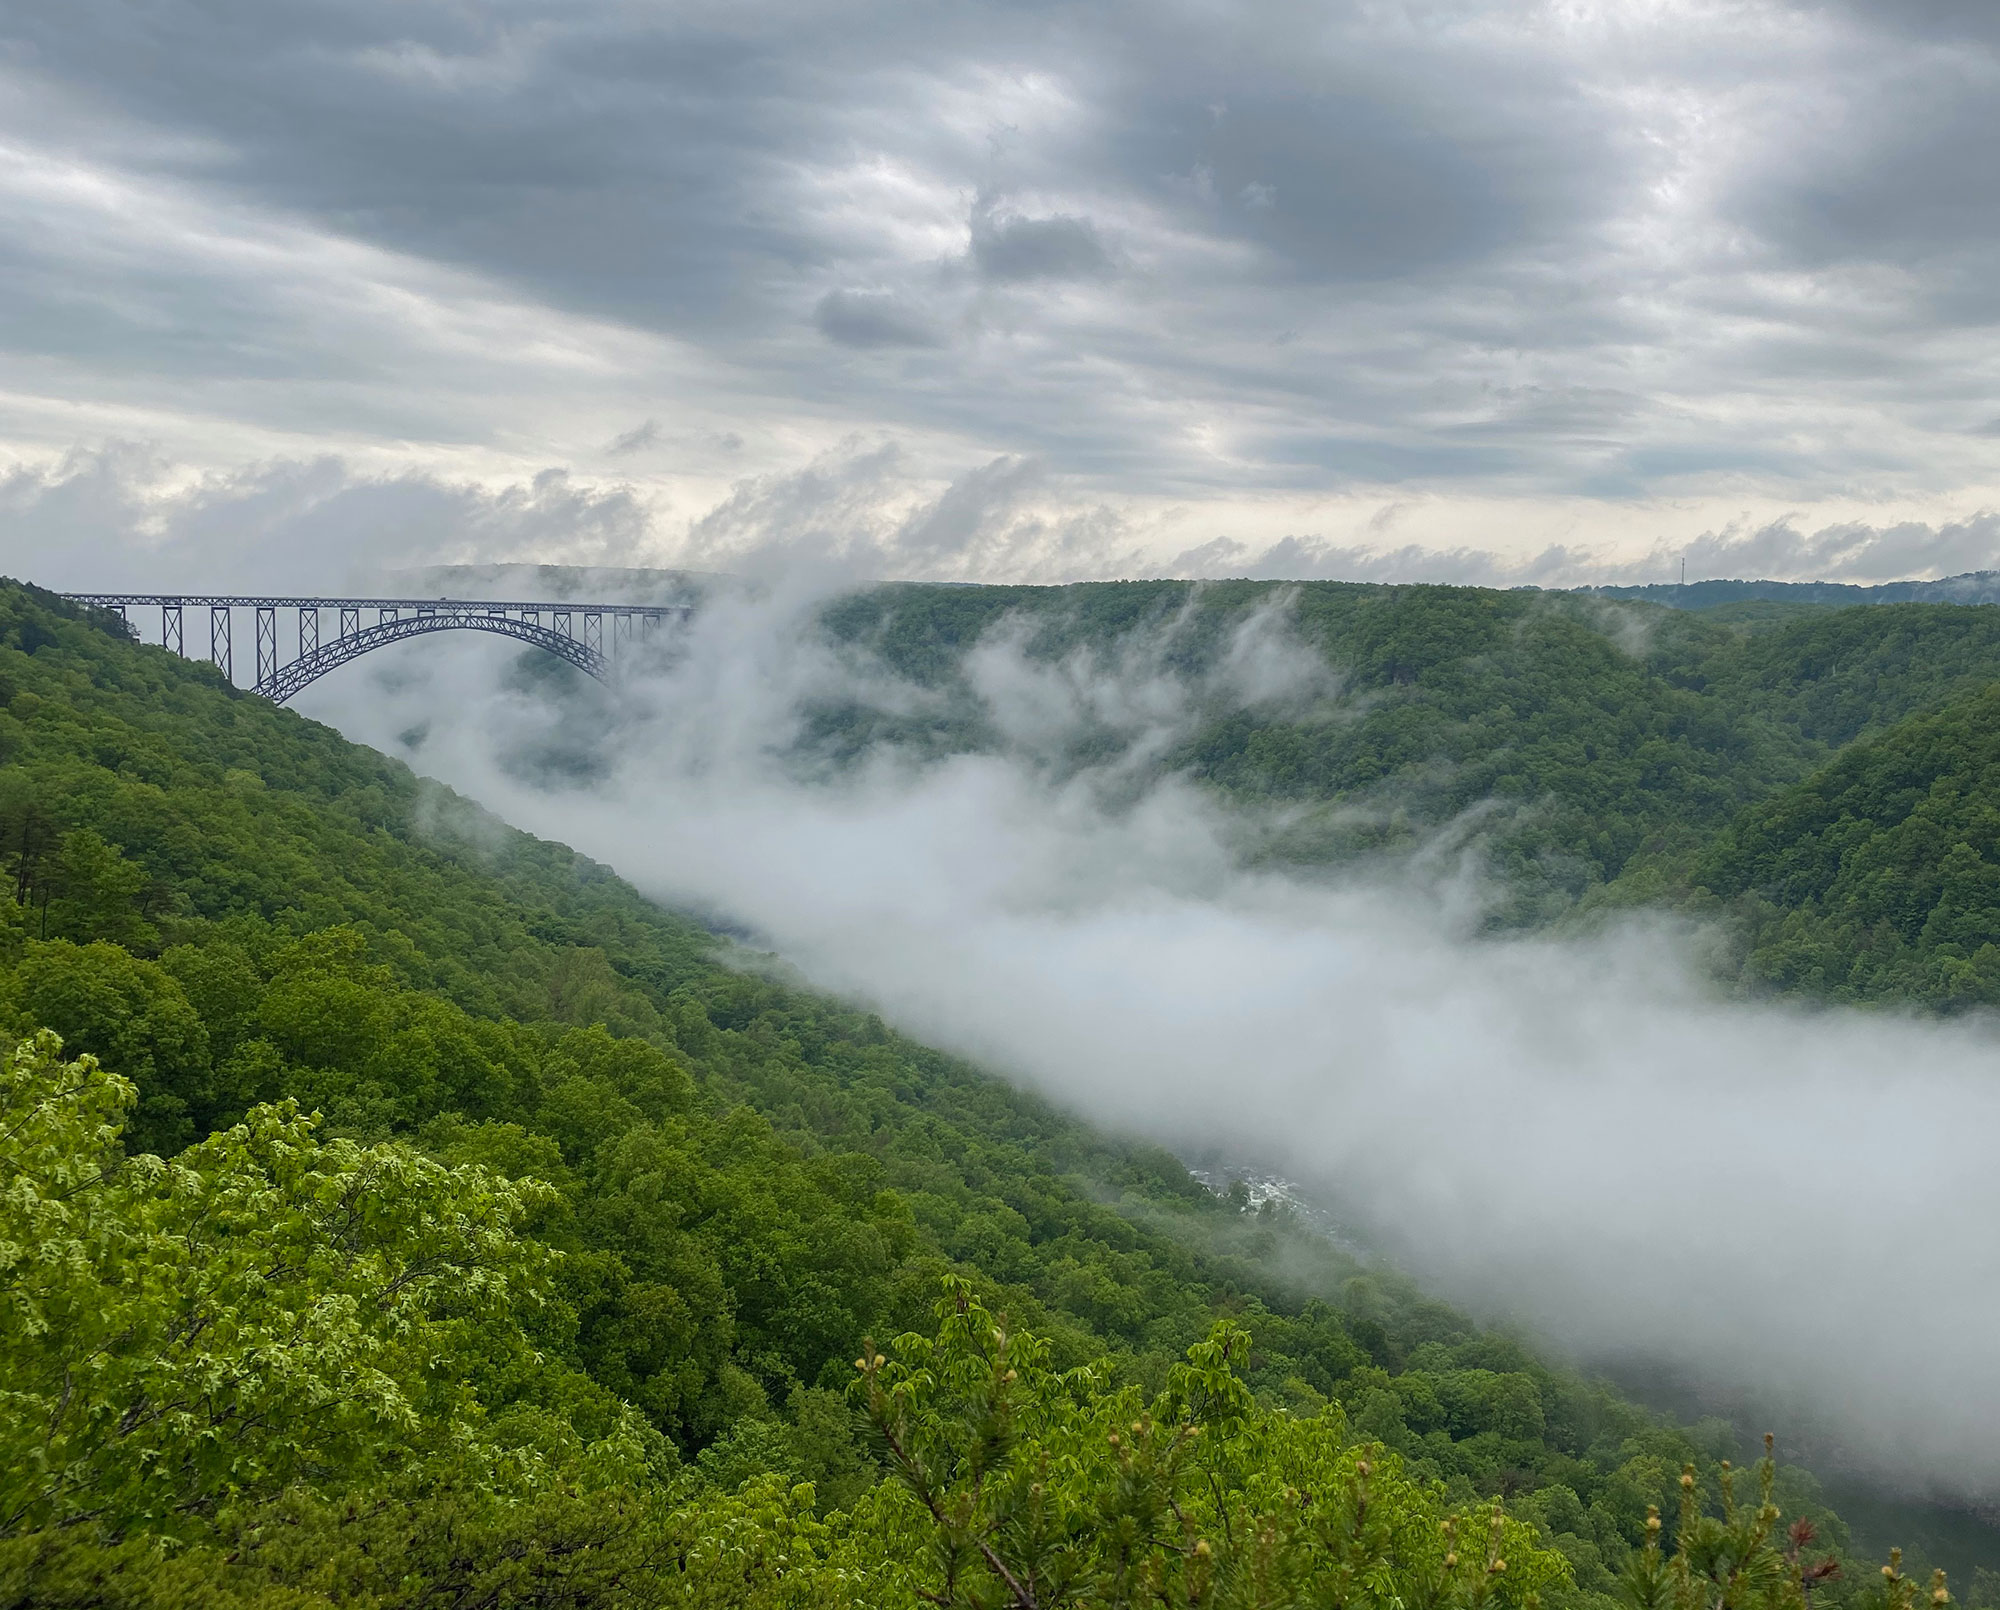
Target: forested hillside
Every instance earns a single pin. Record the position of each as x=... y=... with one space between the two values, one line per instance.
x=1879 y=876
x=1577 y=736
x=515 y=1241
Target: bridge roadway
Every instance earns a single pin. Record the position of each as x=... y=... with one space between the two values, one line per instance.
x=573 y=632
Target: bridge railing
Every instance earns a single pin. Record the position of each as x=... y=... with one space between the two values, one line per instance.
x=574 y=631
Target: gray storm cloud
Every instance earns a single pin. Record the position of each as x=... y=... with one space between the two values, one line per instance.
x=1496 y=248
x=1795 y=1203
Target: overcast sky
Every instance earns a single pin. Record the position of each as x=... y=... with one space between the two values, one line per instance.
x=1494 y=289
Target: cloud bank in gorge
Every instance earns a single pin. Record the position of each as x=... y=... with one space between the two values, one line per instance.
x=1757 y=1194
x=1536 y=267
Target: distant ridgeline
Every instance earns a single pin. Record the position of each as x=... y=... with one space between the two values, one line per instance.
x=1742 y=597
x=614 y=1271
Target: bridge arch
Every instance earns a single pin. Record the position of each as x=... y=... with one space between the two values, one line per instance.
x=309 y=667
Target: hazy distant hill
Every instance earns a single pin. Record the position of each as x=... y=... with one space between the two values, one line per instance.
x=1740 y=599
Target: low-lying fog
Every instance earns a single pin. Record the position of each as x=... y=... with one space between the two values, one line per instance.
x=1577 y=1132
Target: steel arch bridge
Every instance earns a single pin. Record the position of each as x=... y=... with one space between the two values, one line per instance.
x=588 y=636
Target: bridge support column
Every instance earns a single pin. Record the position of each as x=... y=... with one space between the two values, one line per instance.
x=267 y=645
x=350 y=620
x=170 y=628
x=218 y=639
x=308 y=630
x=593 y=631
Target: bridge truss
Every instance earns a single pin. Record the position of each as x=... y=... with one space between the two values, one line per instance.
x=589 y=636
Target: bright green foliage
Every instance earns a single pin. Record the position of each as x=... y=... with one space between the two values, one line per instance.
x=640 y=1548
x=262 y=1310
x=1733 y=1561
x=1019 y=1486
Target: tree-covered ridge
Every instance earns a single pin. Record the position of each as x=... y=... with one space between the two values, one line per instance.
x=1879 y=876
x=738 y=1180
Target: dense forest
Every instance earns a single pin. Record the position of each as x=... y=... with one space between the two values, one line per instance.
x=400 y=1210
